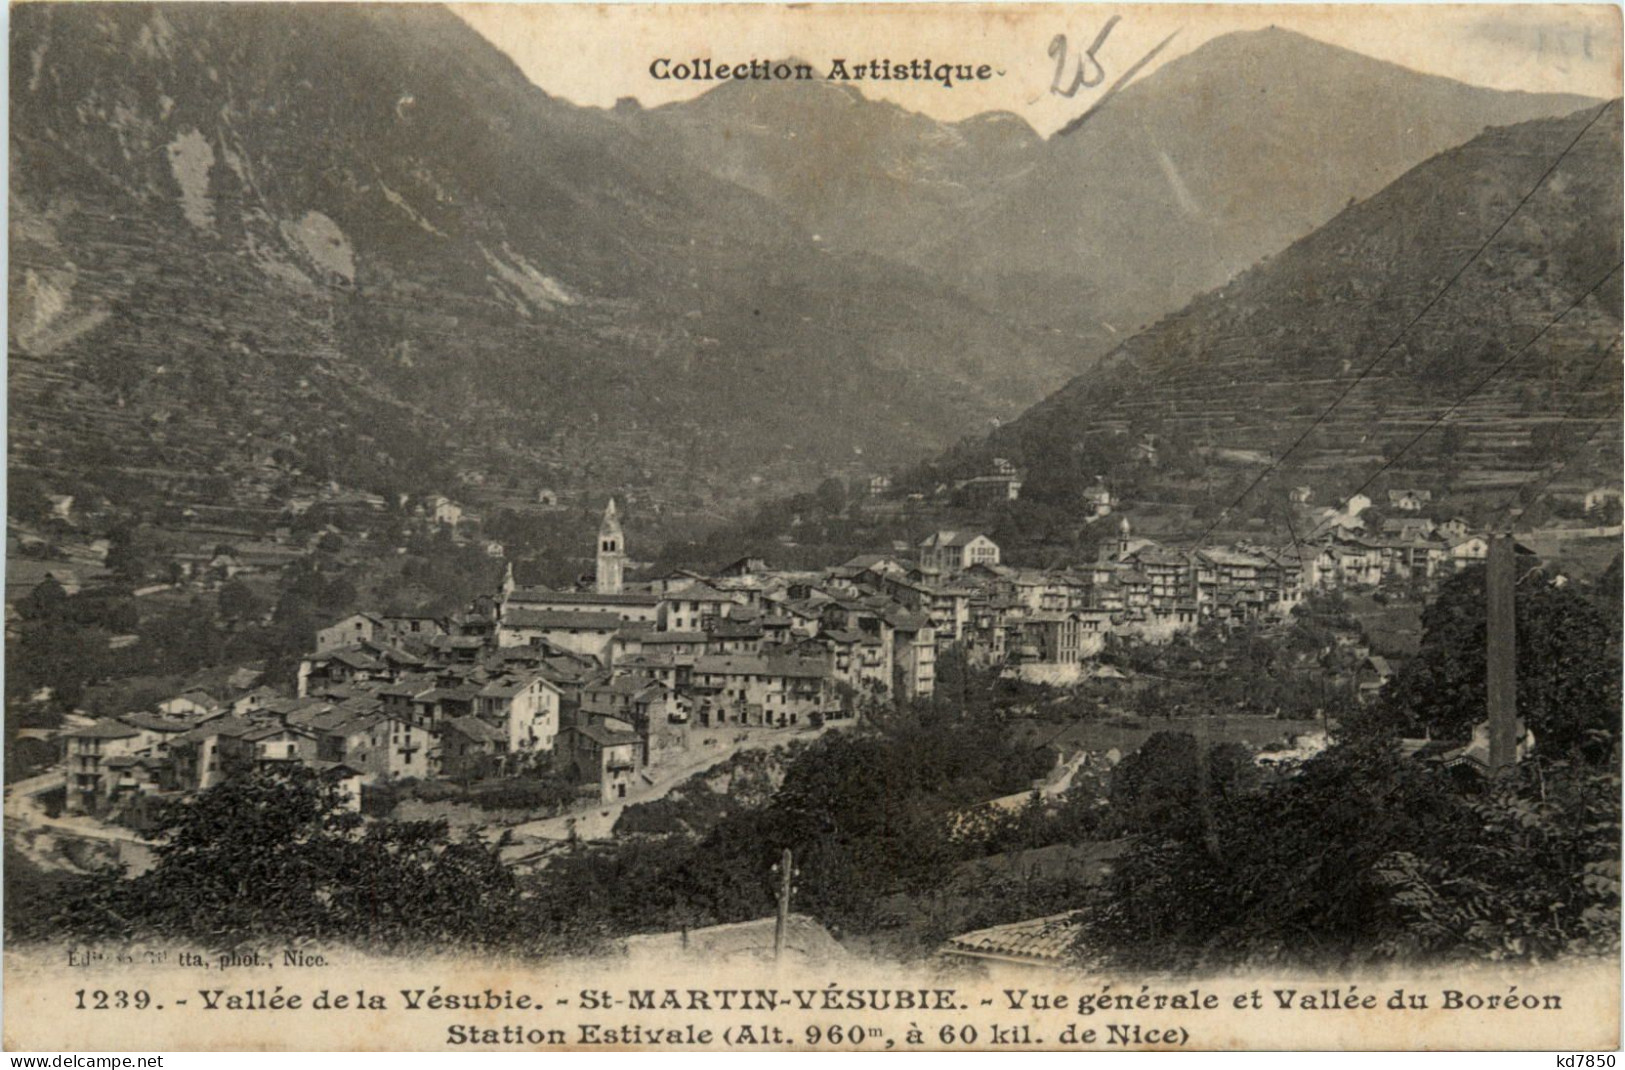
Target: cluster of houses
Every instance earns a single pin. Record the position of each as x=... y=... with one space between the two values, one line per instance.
x=608 y=682
x=604 y=685
x=1406 y=546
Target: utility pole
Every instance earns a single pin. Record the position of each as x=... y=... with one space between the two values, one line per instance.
x=1501 y=651
x=786 y=871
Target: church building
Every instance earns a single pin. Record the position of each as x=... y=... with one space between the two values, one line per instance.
x=611 y=552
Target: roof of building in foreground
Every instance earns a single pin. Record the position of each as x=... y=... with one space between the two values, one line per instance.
x=1045 y=942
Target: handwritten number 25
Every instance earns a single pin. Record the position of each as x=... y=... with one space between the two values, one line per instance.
x=1082 y=76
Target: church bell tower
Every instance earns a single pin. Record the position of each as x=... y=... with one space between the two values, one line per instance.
x=611 y=551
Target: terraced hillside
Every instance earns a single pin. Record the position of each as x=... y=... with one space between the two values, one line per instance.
x=1246 y=370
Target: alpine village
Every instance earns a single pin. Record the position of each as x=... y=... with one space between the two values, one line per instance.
x=559 y=517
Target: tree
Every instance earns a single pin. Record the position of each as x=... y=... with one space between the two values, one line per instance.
x=1364 y=855
x=1536 y=875
x=25 y=498
x=57 y=653
x=280 y=856
x=1307 y=871
x=869 y=816
x=1169 y=784
x=831 y=496
x=45 y=600
x=125 y=559
x=181 y=640
x=1609 y=593
x=238 y=602
x=1568 y=667
x=1548 y=441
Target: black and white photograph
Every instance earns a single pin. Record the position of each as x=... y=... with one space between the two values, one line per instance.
x=983 y=527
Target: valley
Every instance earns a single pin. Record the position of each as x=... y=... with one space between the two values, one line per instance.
x=445 y=515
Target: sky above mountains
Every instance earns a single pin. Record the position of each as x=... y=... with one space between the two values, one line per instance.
x=595 y=54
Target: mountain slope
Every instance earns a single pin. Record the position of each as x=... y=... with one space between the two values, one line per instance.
x=861 y=174
x=1245 y=370
x=1188 y=176
x=357 y=235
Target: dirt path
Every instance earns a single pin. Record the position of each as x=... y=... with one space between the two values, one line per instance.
x=595 y=822
x=1053 y=786
x=35 y=785
x=23 y=807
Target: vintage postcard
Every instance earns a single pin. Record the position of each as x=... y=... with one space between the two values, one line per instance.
x=829 y=527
